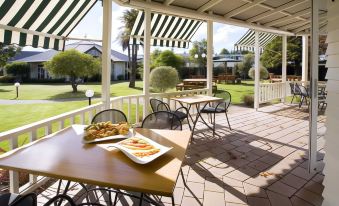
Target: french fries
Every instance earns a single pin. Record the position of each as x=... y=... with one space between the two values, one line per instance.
x=105 y=129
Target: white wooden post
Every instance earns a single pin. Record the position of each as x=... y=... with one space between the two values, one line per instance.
x=312 y=145
x=209 y=56
x=304 y=72
x=284 y=66
x=106 y=53
x=147 y=56
x=257 y=70
x=13 y=175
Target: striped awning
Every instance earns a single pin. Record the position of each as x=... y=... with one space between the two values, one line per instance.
x=246 y=42
x=40 y=23
x=166 y=30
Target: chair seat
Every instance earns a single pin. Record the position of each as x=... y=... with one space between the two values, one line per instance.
x=181 y=115
x=212 y=110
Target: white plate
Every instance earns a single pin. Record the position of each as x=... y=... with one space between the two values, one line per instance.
x=143 y=160
x=128 y=135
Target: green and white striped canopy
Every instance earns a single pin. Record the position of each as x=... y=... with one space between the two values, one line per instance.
x=40 y=23
x=247 y=41
x=166 y=30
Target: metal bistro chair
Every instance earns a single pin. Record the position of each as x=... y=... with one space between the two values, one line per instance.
x=162 y=120
x=11 y=199
x=113 y=115
x=303 y=94
x=294 y=91
x=158 y=105
x=220 y=107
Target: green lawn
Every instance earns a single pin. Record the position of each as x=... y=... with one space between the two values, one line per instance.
x=238 y=90
x=64 y=91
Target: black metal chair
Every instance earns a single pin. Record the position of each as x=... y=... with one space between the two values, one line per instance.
x=113 y=115
x=162 y=120
x=220 y=107
x=303 y=94
x=10 y=199
x=294 y=91
x=158 y=105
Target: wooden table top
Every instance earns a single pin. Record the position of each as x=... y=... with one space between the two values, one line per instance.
x=197 y=99
x=62 y=155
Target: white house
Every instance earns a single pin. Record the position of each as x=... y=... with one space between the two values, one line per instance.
x=119 y=61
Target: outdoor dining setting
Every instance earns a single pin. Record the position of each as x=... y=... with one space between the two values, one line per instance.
x=150 y=102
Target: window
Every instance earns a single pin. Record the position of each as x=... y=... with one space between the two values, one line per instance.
x=42 y=73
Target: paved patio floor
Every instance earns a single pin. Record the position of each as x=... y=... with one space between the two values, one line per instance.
x=262 y=161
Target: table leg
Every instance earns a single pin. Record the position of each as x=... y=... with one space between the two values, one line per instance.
x=141 y=198
x=199 y=114
x=65 y=190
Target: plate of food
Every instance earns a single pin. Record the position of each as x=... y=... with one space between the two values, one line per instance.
x=140 y=149
x=104 y=131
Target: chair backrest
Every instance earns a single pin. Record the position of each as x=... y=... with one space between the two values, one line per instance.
x=113 y=115
x=292 y=86
x=18 y=200
x=162 y=120
x=226 y=96
x=303 y=91
x=158 y=105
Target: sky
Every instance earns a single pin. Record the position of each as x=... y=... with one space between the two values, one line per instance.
x=91 y=27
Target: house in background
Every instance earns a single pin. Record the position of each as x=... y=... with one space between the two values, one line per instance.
x=36 y=60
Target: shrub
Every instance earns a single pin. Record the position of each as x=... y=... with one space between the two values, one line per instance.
x=7 y=79
x=163 y=78
x=121 y=77
x=18 y=69
x=248 y=99
x=263 y=73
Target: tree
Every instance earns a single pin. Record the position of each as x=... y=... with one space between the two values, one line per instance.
x=163 y=78
x=128 y=18
x=244 y=66
x=263 y=73
x=168 y=58
x=272 y=55
x=7 y=52
x=199 y=48
x=74 y=64
x=17 y=69
x=224 y=51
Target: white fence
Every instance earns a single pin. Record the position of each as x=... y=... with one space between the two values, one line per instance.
x=271 y=91
x=132 y=105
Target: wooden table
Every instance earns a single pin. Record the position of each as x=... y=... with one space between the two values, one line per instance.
x=197 y=101
x=62 y=155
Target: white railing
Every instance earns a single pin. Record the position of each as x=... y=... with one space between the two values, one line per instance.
x=271 y=91
x=131 y=105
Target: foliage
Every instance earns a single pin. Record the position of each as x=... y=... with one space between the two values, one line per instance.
x=224 y=51
x=163 y=78
x=263 y=73
x=17 y=69
x=120 y=77
x=128 y=18
x=244 y=66
x=7 y=79
x=74 y=64
x=248 y=100
x=199 y=48
x=272 y=55
x=167 y=58
x=7 y=52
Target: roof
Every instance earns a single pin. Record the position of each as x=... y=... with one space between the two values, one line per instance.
x=81 y=46
x=226 y=60
x=40 y=23
x=288 y=17
x=24 y=54
x=166 y=30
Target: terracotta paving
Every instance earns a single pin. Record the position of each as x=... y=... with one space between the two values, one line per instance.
x=261 y=161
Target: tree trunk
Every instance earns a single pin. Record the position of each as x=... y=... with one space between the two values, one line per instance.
x=134 y=65
x=74 y=85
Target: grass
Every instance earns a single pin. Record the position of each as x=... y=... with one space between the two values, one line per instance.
x=238 y=90
x=64 y=91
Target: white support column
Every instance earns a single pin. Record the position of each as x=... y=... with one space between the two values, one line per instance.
x=257 y=70
x=284 y=66
x=304 y=72
x=209 y=56
x=106 y=53
x=312 y=145
x=147 y=58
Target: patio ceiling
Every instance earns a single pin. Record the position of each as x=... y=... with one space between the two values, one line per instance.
x=289 y=17
x=166 y=30
x=40 y=23
x=247 y=41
